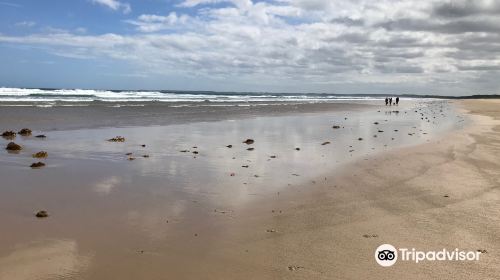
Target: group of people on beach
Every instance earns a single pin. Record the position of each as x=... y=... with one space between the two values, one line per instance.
x=388 y=101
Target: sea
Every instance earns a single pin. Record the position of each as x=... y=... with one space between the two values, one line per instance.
x=45 y=95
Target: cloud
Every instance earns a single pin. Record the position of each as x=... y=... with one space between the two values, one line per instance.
x=238 y=3
x=25 y=24
x=318 y=44
x=456 y=26
x=114 y=5
x=10 y=4
x=461 y=8
x=154 y=23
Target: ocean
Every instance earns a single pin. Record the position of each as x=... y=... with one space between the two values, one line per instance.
x=86 y=95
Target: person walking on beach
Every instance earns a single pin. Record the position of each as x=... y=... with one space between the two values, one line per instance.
x=397 y=100
x=386 y=101
x=390 y=101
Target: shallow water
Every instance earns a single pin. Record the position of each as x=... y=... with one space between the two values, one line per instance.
x=105 y=209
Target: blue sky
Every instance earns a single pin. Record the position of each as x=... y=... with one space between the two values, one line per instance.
x=355 y=46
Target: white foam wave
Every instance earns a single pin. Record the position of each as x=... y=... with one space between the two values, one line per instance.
x=84 y=95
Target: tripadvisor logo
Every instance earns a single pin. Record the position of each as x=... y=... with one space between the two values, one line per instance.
x=387 y=255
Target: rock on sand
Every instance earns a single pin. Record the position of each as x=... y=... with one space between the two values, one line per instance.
x=13 y=147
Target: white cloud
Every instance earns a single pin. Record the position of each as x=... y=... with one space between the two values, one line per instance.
x=114 y=5
x=306 y=45
x=154 y=23
x=238 y=3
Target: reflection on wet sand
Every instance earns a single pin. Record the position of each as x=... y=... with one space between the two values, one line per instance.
x=106 y=186
x=48 y=259
x=181 y=205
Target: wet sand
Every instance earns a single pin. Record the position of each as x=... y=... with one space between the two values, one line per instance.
x=73 y=115
x=442 y=194
x=299 y=215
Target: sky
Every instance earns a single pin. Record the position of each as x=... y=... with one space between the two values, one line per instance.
x=344 y=46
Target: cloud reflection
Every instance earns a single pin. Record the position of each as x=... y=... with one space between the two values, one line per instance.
x=107 y=185
x=44 y=260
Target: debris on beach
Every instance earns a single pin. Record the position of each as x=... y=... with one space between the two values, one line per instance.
x=336 y=126
x=223 y=211
x=229 y=146
x=273 y=156
x=128 y=154
x=9 y=134
x=131 y=158
x=370 y=235
x=37 y=164
x=250 y=149
x=25 y=132
x=13 y=147
x=232 y=174
x=249 y=141
x=245 y=166
x=117 y=139
x=196 y=152
x=325 y=143
x=380 y=131
x=42 y=214
x=270 y=230
x=482 y=251
x=41 y=154
x=143 y=145
x=375 y=123
x=145 y=156
x=360 y=139
x=184 y=151
x=41 y=136
x=297 y=149
x=294 y=267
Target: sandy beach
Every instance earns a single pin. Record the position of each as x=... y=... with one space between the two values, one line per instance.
x=442 y=194
x=320 y=189
x=249 y=140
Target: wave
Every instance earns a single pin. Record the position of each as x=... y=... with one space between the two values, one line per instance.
x=86 y=95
